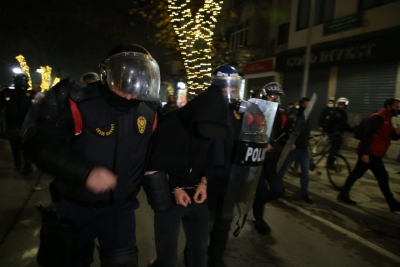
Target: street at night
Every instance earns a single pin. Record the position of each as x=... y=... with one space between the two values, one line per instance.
x=302 y=235
x=200 y=133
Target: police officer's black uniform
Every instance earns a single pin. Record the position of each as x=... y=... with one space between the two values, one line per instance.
x=224 y=153
x=17 y=102
x=335 y=127
x=79 y=127
x=264 y=194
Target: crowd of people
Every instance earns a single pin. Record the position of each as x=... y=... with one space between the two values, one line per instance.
x=104 y=137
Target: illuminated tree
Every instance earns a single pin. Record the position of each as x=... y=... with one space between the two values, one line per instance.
x=195 y=38
x=24 y=68
x=46 y=74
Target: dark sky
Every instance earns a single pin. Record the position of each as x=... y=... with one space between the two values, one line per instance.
x=71 y=36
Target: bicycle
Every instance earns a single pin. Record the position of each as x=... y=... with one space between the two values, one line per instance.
x=337 y=175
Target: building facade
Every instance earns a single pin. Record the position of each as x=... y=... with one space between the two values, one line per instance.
x=354 y=49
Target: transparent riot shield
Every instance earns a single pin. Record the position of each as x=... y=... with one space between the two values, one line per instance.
x=293 y=136
x=258 y=118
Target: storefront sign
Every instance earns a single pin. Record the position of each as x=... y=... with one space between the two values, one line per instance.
x=259 y=66
x=334 y=55
x=345 y=23
x=350 y=51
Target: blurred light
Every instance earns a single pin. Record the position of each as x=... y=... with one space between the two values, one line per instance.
x=181 y=85
x=17 y=70
x=39 y=70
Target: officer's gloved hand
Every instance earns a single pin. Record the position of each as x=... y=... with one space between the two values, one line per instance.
x=101 y=180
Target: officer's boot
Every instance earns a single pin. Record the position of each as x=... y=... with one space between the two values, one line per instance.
x=344 y=193
x=258 y=212
x=124 y=257
x=218 y=240
x=393 y=204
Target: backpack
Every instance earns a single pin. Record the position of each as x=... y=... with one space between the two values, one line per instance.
x=360 y=128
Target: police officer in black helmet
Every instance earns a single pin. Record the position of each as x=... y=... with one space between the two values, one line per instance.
x=94 y=142
x=227 y=77
x=271 y=92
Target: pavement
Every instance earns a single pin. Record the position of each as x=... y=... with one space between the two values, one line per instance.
x=371 y=208
x=20 y=221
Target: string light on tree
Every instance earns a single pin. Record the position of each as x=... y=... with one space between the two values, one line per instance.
x=44 y=71
x=195 y=38
x=46 y=74
x=24 y=68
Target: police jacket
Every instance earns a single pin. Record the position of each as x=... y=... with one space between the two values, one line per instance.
x=179 y=149
x=278 y=135
x=337 y=122
x=17 y=103
x=78 y=127
x=225 y=148
x=324 y=116
x=377 y=135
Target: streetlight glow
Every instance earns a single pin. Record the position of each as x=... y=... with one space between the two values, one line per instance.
x=17 y=70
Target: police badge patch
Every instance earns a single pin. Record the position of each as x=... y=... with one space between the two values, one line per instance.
x=141 y=123
x=105 y=130
x=237 y=115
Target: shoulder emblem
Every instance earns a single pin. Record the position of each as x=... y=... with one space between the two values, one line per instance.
x=237 y=115
x=141 y=123
x=105 y=131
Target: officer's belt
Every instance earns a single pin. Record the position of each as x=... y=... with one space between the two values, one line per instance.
x=104 y=204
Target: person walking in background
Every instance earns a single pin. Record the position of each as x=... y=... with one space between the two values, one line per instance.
x=300 y=153
x=90 y=77
x=17 y=102
x=170 y=106
x=326 y=113
x=375 y=141
x=335 y=127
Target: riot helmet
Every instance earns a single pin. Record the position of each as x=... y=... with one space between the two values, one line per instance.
x=273 y=92
x=132 y=73
x=21 y=81
x=342 y=100
x=228 y=78
x=89 y=77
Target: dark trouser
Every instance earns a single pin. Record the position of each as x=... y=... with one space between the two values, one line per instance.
x=167 y=224
x=378 y=169
x=263 y=193
x=17 y=154
x=303 y=158
x=115 y=229
x=335 y=142
x=221 y=221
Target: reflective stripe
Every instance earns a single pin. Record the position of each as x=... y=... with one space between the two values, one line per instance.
x=76 y=114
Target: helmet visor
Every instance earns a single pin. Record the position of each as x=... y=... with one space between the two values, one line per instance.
x=135 y=74
x=230 y=86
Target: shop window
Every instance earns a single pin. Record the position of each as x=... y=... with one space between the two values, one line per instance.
x=324 y=11
x=283 y=33
x=303 y=14
x=239 y=36
x=367 y=4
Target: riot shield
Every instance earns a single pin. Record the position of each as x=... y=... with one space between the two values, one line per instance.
x=293 y=136
x=258 y=118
